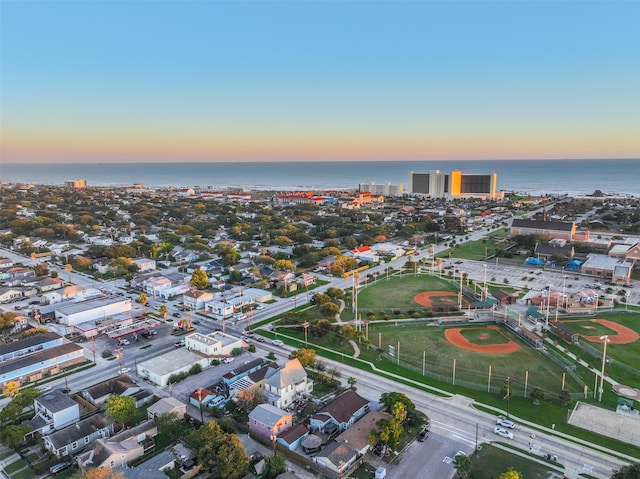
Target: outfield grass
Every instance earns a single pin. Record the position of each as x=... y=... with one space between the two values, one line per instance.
x=399 y=292
x=428 y=343
x=489 y=462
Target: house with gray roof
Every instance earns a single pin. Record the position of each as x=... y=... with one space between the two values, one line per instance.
x=122 y=448
x=268 y=421
x=288 y=383
x=340 y=413
x=121 y=385
x=337 y=459
x=74 y=438
x=53 y=410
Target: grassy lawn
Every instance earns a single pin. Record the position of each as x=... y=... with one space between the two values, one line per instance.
x=589 y=328
x=490 y=462
x=428 y=343
x=14 y=466
x=399 y=292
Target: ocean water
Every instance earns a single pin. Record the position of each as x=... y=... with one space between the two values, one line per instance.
x=573 y=177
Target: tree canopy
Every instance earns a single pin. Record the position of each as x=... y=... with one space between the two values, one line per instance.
x=630 y=471
x=199 y=279
x=218 y=451
x=121 y=408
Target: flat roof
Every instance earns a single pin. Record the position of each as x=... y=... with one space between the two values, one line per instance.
x=601 y=261
x=213 y=338
x=170 y=361
x=91 y=304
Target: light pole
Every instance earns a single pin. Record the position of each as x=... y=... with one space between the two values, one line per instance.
x=605 y=340
x=564 y=290
x=460 y=293
x=484 y=295
x=305 y=325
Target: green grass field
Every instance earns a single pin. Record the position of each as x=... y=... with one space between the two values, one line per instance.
x=589 y=327
x=399 y=292
x=490 y=462
x=429 y=342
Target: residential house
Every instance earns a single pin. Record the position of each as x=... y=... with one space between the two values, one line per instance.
x=48 y=284
x=177 y=458
x=287 y=384
x=284 y=280
x=9 y=295
x=53 y=410
x=337 y=460
x=6 y=263
x=74 y=438
x=121 y=448
x=195 y=299
x=358 y=434
x=145 y=264
x=292 y=438
x=121 y=385
x=268 y=421
x=340 y=413
x=168 y=405
x=305 y=280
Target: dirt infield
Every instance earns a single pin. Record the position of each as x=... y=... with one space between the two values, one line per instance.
x=623 y=334
x=455 y=337
x=427 y=298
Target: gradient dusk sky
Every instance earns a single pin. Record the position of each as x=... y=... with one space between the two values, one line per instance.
x=318 y=80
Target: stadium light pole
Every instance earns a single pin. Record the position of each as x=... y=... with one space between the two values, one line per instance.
x=564 y=290
x=484 y=293
x=605 y=340
x=460 y=293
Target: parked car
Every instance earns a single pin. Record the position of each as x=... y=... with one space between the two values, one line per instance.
x=228 y=360
x=177 y=315
x=260 y=339
x=277 y=342
x=505 y=423
x=44 y=389
x=124 y=342
x=423 y=435
x=179 y=344
x=124 y=370
x=55 y=469
x=500 y=431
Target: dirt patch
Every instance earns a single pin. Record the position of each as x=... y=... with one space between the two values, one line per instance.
x=623 y=334
x=588 y=327
x=427 y=298
x=455 y=337
x=483 y=336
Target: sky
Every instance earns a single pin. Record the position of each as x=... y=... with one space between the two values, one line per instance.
x=197 y=80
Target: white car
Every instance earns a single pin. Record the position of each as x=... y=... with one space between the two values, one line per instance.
x=125 y=342
x=505 y=423
x=277 y=342
x=500 y=431
x=228 y=360
x=44 y=389
x=124 y=370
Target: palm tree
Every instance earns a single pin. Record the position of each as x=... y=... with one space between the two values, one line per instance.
x=163 y=311
x=143 y=298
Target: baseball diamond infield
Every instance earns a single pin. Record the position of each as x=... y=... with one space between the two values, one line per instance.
x=623 y=334
x=429 y=297
x=455 y=337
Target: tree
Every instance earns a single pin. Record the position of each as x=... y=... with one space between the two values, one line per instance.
x=630 y=471
x=537 y=395
x=163 y=310
x=462 y=465
x=389 y=399
x=170 y=425
x=7 y=322
x=510 y=474
x=104 y=472
x=352 y=383
x=121 y=409
x=565 y=397
x=11 y=389
x=199 y=279
x=307 y=357
x=143 y=298
x=11 y=435
x=273 y=466
x=218 y=451
x=387 y=433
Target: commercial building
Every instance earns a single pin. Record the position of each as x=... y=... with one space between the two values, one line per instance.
x=385 y=190
x=97 y=309
x=75 y=183
x=455 y=184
